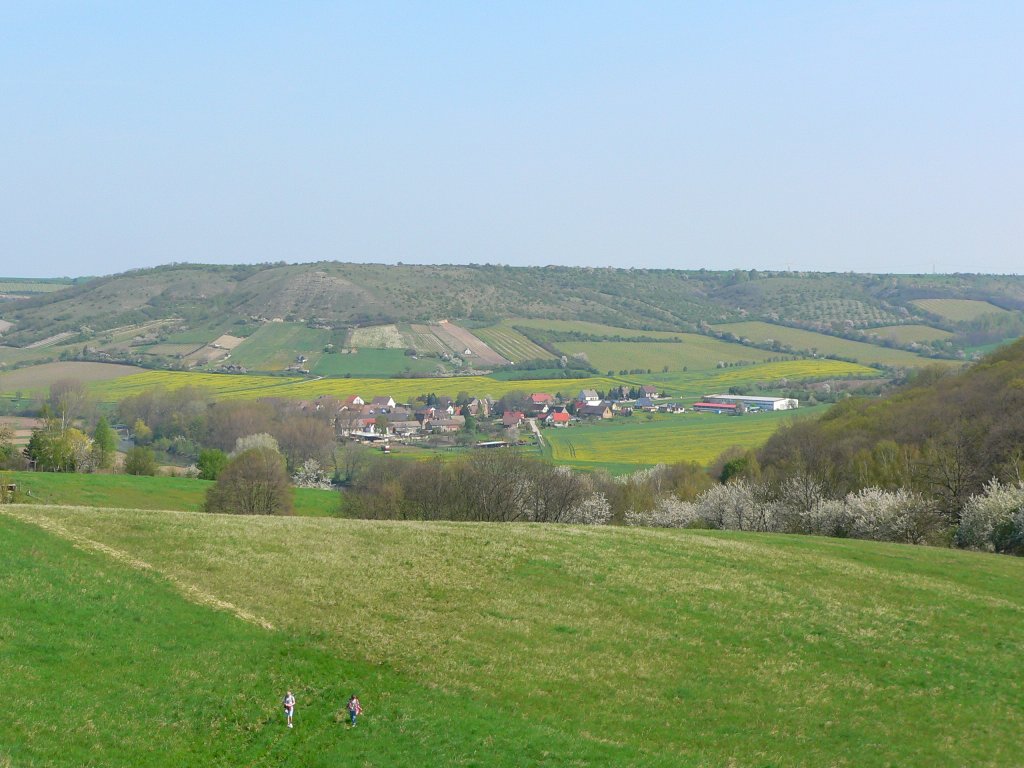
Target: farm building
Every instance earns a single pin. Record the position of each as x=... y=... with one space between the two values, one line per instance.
x=589 y=396
x=714 y=407
x=759 y=403
x=597 y=411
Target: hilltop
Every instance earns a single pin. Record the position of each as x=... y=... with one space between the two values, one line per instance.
x=334 y=295
x=498 y=645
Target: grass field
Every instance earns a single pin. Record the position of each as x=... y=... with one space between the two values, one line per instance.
x=38 y=378
x=958 y=310
x=497 y=645
x=377 y=337
x=141 y=492
x=373 y=362
x=620 y=445
x=597 y=329
x=694 y=353
x=8 y=285
x=274 y=346
x=905 y=334
x=511 y=344
x=825 y=345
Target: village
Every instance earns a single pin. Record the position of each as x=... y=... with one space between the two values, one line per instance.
x=435 y=417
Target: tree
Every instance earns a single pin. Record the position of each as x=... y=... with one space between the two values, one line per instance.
x=140 y=461
x=254 y=482
x=104 y=445
x=211 y=463
x=56 y=447
x=260 y=440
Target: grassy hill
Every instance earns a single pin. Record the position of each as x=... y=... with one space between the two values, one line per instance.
x=168 y=639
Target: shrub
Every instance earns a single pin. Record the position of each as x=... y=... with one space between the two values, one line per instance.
x=994 y=520
x=253 y=483
x=140 y=461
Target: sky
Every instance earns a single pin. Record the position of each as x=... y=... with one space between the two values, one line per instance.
x=834 y=136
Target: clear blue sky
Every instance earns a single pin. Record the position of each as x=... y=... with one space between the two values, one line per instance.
x=880 y=136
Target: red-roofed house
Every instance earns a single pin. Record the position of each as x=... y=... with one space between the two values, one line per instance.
x=512 y=419
x=558 y=418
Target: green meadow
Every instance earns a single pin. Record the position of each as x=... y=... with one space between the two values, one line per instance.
x=136 y=638
x=275 y=346
x=905 y=334
x=373 y=362
x=143 y=492
x=624 y=443
x=958 y=310
x=823 y=344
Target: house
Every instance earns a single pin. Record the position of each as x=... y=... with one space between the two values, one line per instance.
x=353 y=401
x=382 y=402
x=445 y=425
x=589 y=397
x=477 y=407
x=597 y=410
x=648 y=390
x=542 y=398
x=671 y=408
x=558 y=417
x=511 y=419
x=645 y=404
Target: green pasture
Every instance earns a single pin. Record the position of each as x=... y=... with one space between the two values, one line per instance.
x=373 y=362
x=510 y=343
x=823 y=344
x=142 y=492
x=168 y=639
x=274 y=346
x=958 y=310
x=906 y=334
x=694 y=352
x=625 y=442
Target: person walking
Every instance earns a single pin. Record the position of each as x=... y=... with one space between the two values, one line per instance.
x=354 y=710
x=289 y=707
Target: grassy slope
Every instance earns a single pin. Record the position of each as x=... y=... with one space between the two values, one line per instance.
x=274 y=346
x=694 y=353
x=178 y=493
x=905 y=334
x=825 y=344
x=373 y=362
x=507 y=645
x=625 y=443
x=958 y=310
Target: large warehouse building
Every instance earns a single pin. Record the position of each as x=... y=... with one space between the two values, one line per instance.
x=755 y=403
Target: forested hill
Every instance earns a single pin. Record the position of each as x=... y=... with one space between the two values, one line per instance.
x=942 y=434
x=341 y=295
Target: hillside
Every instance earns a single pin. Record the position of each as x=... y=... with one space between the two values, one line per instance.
x=497 y=645
x=942 y=433
x=181 y=306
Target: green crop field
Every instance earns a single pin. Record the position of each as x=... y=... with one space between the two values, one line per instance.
x=776 y=376
x=958 y=310
x=695 y=352
x=374 y=362
x=905 y=334
x=274 y=346
x=597 y=329
x=168 y=639
x=141 y=492
x=510 y=343
x=622 y=443
x=825 y=345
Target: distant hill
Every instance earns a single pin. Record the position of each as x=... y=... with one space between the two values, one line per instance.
x=337 y=296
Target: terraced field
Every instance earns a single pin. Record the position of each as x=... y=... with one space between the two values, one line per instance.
x=424 y=340
x=510 y=343
x=274 y=346
x=958 y=310
x=905 y=334
x=823 y=344
x=623 y=443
